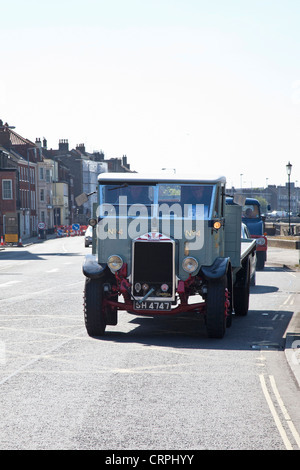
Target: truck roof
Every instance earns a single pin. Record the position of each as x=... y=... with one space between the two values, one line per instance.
x=248 y=200
x=106 y=178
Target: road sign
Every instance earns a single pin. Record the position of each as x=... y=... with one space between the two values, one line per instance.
x=75 y=227
x=11 y=238
x=41 y=225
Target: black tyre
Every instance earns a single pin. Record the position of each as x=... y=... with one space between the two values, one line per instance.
x=241 y=291
x=216 y=307
x=260 y=260
x=253 y=279
x=94 y=314
x=229 y=304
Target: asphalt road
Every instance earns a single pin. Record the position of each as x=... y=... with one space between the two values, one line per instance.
x=150 y=383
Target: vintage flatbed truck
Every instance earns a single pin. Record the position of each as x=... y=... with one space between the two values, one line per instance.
x=158 y=243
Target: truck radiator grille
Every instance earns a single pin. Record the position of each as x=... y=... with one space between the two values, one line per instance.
x=153 y=268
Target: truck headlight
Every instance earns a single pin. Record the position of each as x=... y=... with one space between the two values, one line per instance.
x=190 y=264
x=260 y=241
x=115 y=263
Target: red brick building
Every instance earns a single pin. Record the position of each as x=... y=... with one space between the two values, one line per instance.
x=23 y=155
x=9 y=216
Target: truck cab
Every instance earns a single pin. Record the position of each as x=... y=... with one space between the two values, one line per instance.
x=162 y=242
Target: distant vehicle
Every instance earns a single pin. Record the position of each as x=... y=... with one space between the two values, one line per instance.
x=252 y=217
x=246 y=236
x=278 y=214
x=88 y=236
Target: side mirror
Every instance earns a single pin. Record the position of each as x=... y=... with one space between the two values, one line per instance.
x=81 y=199
x=239 y=199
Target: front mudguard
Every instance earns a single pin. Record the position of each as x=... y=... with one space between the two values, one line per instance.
x=92 y=269
x=218 y=269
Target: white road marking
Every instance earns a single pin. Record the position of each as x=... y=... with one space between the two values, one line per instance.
x=9 y=283
x=287 y=300
x=39 y=357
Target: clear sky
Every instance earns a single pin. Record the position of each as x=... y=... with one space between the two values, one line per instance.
x=197 y=85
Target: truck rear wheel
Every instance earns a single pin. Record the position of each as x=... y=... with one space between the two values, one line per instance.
x=94 y=314
x=260 y=260
x=217 y=307
x=241 y=291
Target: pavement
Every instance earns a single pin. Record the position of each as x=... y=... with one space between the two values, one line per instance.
x=29 y=241
x=292 y=345
x=288 y=258
x=285 y=257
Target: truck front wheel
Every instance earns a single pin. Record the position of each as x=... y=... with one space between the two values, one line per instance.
x=217 y=307
x=94 y=314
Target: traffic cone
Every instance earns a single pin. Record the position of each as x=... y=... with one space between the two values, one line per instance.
x=20 y=242
x=2 y=243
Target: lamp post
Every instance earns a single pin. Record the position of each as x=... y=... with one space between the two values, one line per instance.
x=29 y=189
x=289 y=171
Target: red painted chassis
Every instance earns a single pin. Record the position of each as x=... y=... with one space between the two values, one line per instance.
x=123 y=287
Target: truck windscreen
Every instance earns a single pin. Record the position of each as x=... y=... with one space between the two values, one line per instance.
x=160 y=193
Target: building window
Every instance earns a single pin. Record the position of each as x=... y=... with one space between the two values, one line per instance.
x=41 y=173
x=7 y=189
x=42 y=195
x=33 y=200
x=23 y=199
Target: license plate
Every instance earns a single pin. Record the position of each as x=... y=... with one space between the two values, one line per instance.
x=152 y=305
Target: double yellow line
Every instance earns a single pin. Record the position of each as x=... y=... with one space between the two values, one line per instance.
x=286 y=417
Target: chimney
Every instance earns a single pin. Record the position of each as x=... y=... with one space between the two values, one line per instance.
x=80 y=148
x=124 y=162
x=44 y=143
x=4 y=135
x=38 y=142
x=63 y=145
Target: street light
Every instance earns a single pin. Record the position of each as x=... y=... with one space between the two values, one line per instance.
x=289 y=171
x=29 y=190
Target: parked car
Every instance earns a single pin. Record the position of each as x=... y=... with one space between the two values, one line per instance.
x=246 y=236
x=88 y=236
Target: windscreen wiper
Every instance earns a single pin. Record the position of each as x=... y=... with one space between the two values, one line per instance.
x=118 y=187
